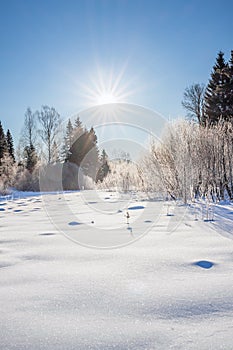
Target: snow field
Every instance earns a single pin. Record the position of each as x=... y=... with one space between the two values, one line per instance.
x=150 y=294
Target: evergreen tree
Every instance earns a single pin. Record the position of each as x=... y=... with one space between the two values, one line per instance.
x=3 y=143
x=216 y=97
x=55 y=153
x=84 y=151
x=10 y=145
x=7 y=171
x=91 y=164
x=6 y=161
x=104 y=168
x=68 y=139
x=30 y=157
x=230 y=87
x=78 y=129
x=78 y=123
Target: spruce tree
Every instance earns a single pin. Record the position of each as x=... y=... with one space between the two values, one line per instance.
x=68 y=139
x=91 y=164
x=84 y=151
x=30 y=157
x=77 y=123
x=78 y=129
x=3 y=143
x=104 y=168
x=10 y=145
x=216 y=100
x=55 y=153
x=230 y=87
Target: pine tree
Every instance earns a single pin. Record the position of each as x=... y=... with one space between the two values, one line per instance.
x=3 y=143
x=6 y=161
x=104 y=168
x=55 y=153
x=84 y=151
x=77 y=123
x=78 y=129
x=91 y=164
x=216 y=99
x=230 y=87
x=30 y=157
x=10 y=145
x=68 y=140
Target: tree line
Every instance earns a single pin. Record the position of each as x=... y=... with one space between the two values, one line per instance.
x=42 y=142
x=194 y=158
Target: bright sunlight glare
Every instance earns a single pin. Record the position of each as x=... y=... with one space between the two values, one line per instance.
x=106 y=98
x=107 y=87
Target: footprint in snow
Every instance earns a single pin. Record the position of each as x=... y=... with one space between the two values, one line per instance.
x=47 y=234
x=137 y=207
x=74 y=223
x=204 y=264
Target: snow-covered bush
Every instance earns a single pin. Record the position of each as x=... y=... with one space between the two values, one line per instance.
x=8 y=171
x=192 y=160
x=123 y=176
x=27 y=181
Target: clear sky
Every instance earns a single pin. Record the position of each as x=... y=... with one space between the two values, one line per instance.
x=62 y=52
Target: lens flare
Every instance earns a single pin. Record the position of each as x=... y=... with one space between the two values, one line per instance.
x=106 y=98
x=108 y=87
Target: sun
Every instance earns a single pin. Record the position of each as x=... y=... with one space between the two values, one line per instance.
x=106 y=98
x=107 y=87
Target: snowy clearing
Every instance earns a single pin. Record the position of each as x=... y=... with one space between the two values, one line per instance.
x=171 y=289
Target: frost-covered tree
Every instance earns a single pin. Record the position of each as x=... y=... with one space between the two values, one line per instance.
x=49 y=121
x=123 y=176
x=26 y=180
x=7 y=167
x=68 y=140
x=192 y=161
x=55 y=157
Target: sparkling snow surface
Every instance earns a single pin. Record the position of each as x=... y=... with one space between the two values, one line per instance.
x=171 y=289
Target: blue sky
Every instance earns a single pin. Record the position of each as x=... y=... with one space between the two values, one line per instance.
x=59 y=52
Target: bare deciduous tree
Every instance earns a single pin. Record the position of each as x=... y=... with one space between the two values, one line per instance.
x=28 y=134
x=193 y=101
x=50 y=121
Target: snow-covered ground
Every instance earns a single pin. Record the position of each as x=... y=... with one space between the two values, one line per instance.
x=170 y=289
